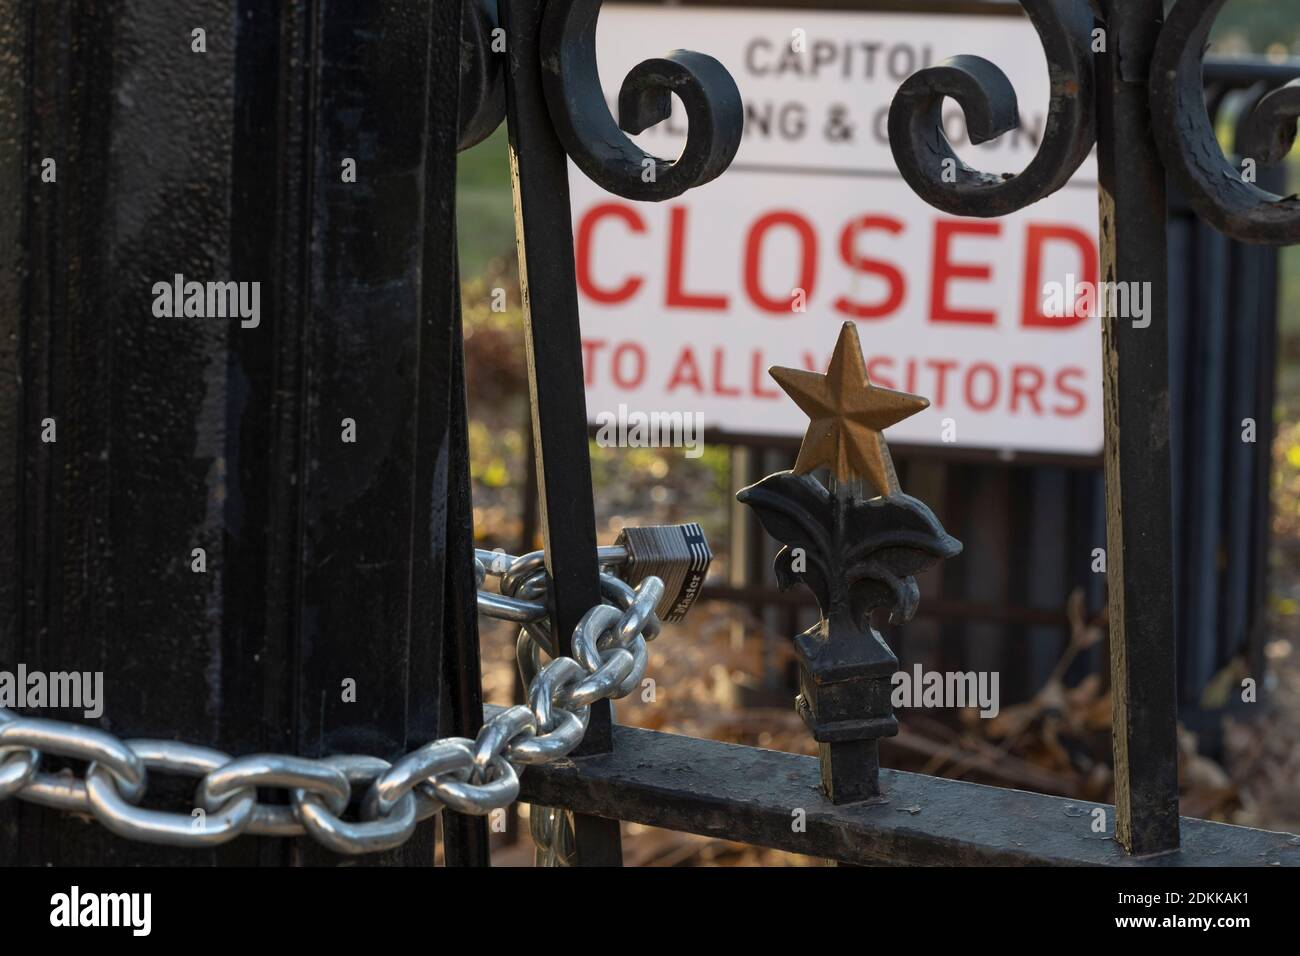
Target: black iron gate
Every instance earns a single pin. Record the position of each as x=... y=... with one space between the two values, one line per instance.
x=259 y=530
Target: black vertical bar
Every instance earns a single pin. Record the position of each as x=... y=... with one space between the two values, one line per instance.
x=957 y=513
x=1247 y=498
x=465 y=838
x=1204 y=468
x=1138 y=493
x=986 y=538
x=1046 y=570
x=1262 y=478
x=925 y=481
x=1243 y=357
x=15 y=420
x=527 y=537
x=544 y=232
x=1014 y=658
x=1183 y=227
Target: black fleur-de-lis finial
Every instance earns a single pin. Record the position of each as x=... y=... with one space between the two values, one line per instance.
x=855 y=552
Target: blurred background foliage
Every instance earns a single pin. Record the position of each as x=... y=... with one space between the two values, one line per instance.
x=1269 y=27
x=654 y=485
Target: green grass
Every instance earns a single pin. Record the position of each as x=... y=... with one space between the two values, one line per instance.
x=1288 y=316
x=485 y=214
x=1261 y=23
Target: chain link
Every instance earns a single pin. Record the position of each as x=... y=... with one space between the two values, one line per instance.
x=470 y=776
x=609 y=650
x=552 y=830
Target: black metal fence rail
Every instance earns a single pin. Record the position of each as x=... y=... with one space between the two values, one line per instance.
x=774 y=799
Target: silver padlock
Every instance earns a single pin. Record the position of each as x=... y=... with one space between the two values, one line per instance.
x=677 y=554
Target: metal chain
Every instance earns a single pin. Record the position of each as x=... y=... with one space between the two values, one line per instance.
x=470 y=776
x=521 y=580
x=552 y=831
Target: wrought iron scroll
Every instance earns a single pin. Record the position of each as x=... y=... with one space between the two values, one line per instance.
x=482 y=81
x=599 y=145
x=988 y=100
x=1222 y=194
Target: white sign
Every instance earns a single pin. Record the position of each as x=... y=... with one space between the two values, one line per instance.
x=686 y=303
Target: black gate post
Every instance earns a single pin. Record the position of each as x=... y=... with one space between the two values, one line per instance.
x=306 y=452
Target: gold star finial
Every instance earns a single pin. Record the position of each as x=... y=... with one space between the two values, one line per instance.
x=847 y=415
